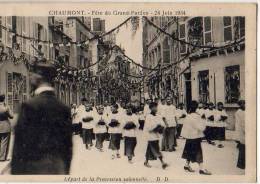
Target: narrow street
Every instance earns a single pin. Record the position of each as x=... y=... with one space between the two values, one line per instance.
x=114 y=74
x=91 y=163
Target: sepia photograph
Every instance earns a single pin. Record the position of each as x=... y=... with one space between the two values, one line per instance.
x=124 y=96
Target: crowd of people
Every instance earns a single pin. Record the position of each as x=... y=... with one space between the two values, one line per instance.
x=45 y=127
x=161 y=124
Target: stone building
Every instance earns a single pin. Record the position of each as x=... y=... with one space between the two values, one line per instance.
x=17 y=52
x=160 y=51
x=76 y=55
x=213 y=74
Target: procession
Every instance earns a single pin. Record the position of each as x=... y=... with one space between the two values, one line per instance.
x=161 y=125
x=141 y=95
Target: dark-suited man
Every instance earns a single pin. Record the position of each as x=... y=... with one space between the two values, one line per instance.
x=43 y=135
x=5 y=129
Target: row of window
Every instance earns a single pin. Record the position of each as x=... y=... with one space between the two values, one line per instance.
x=39 y=32
x=160 y=21
x=199 y=30
x=155 y=55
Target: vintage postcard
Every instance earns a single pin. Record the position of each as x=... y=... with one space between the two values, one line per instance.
x=128 y=92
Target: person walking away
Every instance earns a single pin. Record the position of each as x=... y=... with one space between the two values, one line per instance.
x=240 y=131
x=129 y=133
x=220 y=124
x=100 y=128
x=153 y=128
x=115 y=131
x=192 y=131
x=180 y=116
x=5 y=128
x=169 y=141
x=43 y=134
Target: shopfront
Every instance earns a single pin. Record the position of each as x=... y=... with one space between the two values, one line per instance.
x=14 y=83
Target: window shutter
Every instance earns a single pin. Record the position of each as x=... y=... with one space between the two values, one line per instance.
x=182 y=37
x=9 y=84
x=45 y=45
x=9 y=34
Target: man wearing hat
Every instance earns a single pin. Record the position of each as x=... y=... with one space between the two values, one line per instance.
x=43 y=134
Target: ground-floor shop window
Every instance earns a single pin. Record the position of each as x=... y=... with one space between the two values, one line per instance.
x=203 y=77
x=232 y=84
x=16 y=89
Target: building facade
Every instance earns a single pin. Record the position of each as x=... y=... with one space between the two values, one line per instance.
x=58 y=40
x=213 y=74
x=17 y=53
x=78 y=30
x=160 y=51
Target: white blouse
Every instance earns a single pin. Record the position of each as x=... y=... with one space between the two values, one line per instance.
x=88 y=125
x=169 y=113
x=98 y=129
x=151 y=122
x=217 y=117
x=179 y=113
x=117 y=129
x=193 y=126
x=130 y=118
x=240 y=126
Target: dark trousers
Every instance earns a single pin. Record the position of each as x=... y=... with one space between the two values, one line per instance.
x=169 y=139
x=241 y=162
x=4 y=145
x=179 y=128
x=141 y=124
